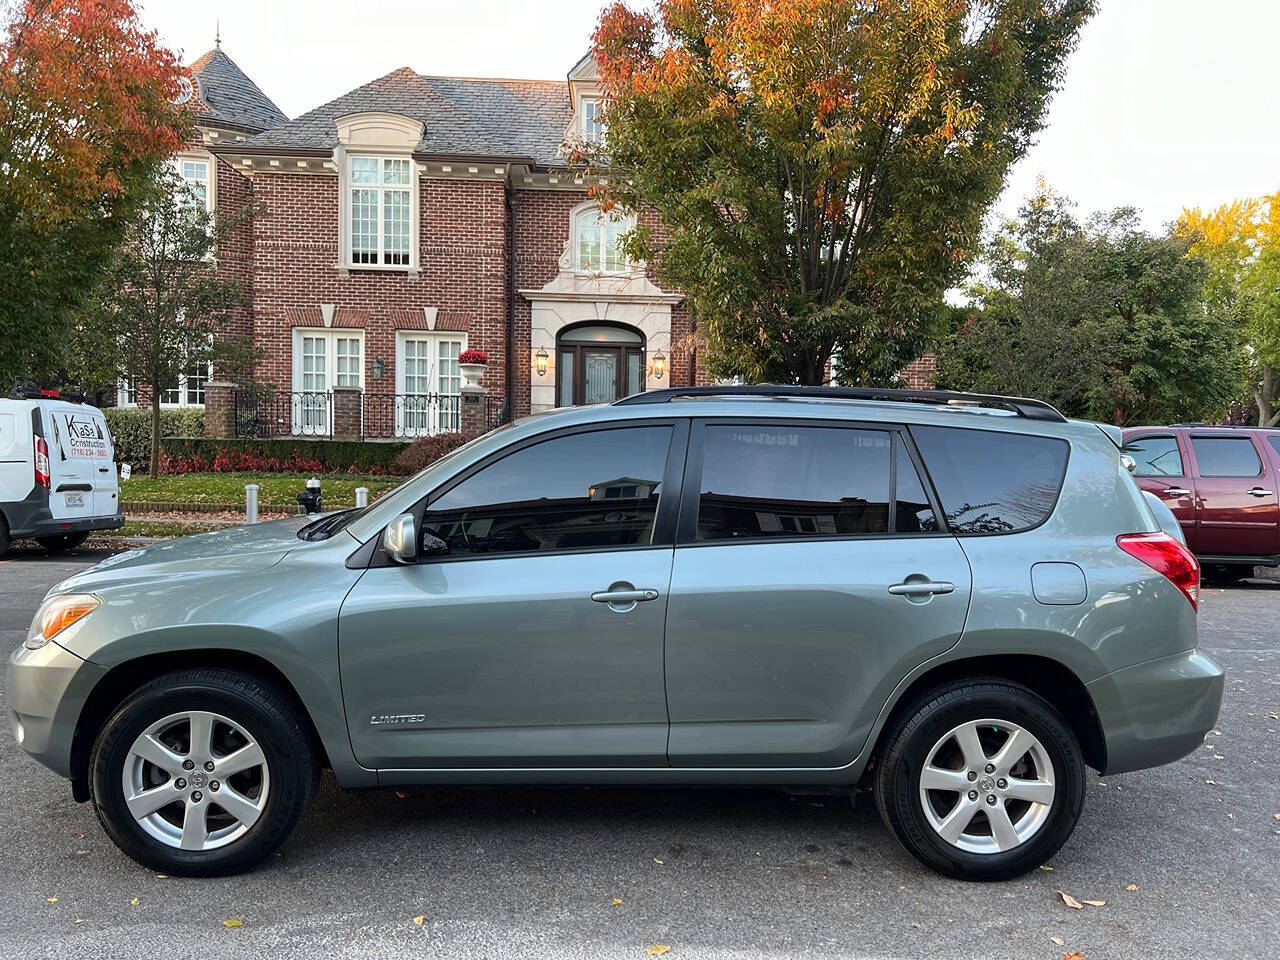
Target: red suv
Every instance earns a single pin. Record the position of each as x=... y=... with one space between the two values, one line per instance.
x=1221 y=484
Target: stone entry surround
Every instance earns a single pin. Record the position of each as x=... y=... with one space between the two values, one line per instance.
x=630 y=299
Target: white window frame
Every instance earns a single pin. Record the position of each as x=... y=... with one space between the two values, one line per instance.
x=433 y=419
x=127 y=392
x=591 y=128
x=207 y=159
x=311 y=415
x=603 y=221
x=348 y=184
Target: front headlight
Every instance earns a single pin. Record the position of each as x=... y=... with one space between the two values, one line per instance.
x=56 y=614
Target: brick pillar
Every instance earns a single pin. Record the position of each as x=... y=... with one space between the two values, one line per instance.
x=473 y=410
x=347 y=410
x=219 y=409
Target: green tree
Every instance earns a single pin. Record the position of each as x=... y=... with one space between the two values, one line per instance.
x=162 y=307
x=1105 y=320
x=87 y=114
x=820 y=169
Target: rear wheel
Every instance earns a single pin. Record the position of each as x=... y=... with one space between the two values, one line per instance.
x=1227 y=572
x=62 y=542
x=4 y=536
x=981 y=780
x=202 y=772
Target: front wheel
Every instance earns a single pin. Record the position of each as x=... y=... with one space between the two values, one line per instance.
x=202 y=772
x=981 y=780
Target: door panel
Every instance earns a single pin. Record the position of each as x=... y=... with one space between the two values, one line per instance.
x=507 y=662
x=1236 y=512
x=600 y=379
x=1162 y=470
x=777 y=652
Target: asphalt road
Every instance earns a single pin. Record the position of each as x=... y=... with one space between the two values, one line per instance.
x=710 y=873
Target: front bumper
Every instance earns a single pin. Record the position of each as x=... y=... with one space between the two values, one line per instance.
x=1159 y=711
x=46 y=690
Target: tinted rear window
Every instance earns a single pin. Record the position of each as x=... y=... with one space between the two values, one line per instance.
x=992 y=482
x=1226 y=457
x=1155 y=456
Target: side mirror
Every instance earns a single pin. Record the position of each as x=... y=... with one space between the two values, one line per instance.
x=433 y=546
x=400 y=539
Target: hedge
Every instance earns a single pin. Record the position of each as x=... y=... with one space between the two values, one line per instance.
x=131 y=430
x=188 y=454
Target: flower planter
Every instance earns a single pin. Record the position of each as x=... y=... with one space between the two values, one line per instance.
x=472 y=372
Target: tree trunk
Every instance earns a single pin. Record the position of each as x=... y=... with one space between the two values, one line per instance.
x=1266 y=397
x=155 y=433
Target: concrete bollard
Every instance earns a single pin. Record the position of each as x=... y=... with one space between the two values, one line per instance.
x=362 y=496
x=251 y=502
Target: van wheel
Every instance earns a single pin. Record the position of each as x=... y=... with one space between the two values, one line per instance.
x=62 y=542
x=981 y=780
x=202 y=772
x=4 y=536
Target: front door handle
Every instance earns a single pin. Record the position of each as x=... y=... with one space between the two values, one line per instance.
x=921 y=588
x=1176 y=492
x=622 y=596
x=1259 y=492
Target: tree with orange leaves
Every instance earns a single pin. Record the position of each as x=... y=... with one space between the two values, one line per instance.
x=87 y=106
x=821 y=167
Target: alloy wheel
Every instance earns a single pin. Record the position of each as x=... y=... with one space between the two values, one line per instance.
x=195 y=780
x=987 y=786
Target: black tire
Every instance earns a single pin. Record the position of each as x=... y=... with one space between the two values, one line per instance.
x=1227 y=572
x=4 y=536
x=256 y=706
x=906 y=747
x=62 y=542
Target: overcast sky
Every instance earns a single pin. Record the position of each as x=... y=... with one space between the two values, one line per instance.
x=1167 y=103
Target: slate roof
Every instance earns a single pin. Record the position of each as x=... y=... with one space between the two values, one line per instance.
x=518 y=119
x=229 y=97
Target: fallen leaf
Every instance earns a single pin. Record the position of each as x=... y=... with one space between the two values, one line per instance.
x=400 y=794
x=1070 y=901
x=79 y=836
x=1212 y=781
x=53 y=899
x=135 y=901
x=1217 y=733
x=1057 y=940
x=1132 y=887
x=1273 y=715
x=617 y=902
x=1046 y=868
x=1095 y=903
x=1277 y=816
x=1074 y=955
x=657 y=950
x=233 y=923
x=417 y=921
x=657 y=861
x=79 y=920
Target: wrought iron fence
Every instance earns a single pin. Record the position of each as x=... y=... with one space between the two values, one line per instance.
x=496 y=412
x=382 y=416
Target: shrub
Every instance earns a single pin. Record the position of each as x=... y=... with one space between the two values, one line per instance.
x=280 y=454
x=131 y=430
x=425 y=451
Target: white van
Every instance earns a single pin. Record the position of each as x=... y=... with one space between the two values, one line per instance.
x=57 y=472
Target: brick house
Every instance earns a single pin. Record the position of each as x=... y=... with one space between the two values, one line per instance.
x=408 y=220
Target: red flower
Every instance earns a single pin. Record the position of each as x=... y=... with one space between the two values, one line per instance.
x=473 y=356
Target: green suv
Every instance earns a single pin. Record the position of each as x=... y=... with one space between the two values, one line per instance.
x=959 y=601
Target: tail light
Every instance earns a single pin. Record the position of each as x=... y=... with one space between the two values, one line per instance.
x=42 y=463
x=1168 y=557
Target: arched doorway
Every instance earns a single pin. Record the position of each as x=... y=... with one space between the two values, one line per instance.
x=598 y=363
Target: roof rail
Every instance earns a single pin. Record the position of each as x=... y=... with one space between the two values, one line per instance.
x=1220 y=426
x=1022 y=406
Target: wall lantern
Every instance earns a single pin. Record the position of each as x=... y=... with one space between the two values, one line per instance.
x=541 y=359
x=659 y=365
x=379 y=368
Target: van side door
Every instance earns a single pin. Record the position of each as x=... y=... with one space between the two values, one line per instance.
x=1236 y=512
x=1161 y=469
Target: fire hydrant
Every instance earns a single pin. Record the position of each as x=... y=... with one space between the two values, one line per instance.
x=310 y=498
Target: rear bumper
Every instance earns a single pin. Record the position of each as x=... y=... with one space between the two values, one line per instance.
x=40 y=523
x=1159 y=711
x=46 y=689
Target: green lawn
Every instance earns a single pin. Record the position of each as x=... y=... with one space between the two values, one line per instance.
x=274 y=488
x=161 y=528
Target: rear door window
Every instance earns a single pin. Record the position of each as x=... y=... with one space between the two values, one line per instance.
x=1226 y=457
x=991 y=482
x=777 y=480
x=1155 y=456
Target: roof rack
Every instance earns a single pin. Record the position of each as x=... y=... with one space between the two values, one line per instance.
x=1023 y=407
x=1219 y=426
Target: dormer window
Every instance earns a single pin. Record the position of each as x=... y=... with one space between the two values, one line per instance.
x=381 y=207
x=596 y=247
x=591 y=125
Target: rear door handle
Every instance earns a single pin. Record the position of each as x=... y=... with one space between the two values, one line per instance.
x=1259 y=492
x=1176 y=492
x=921 y=588
x=620 y=595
